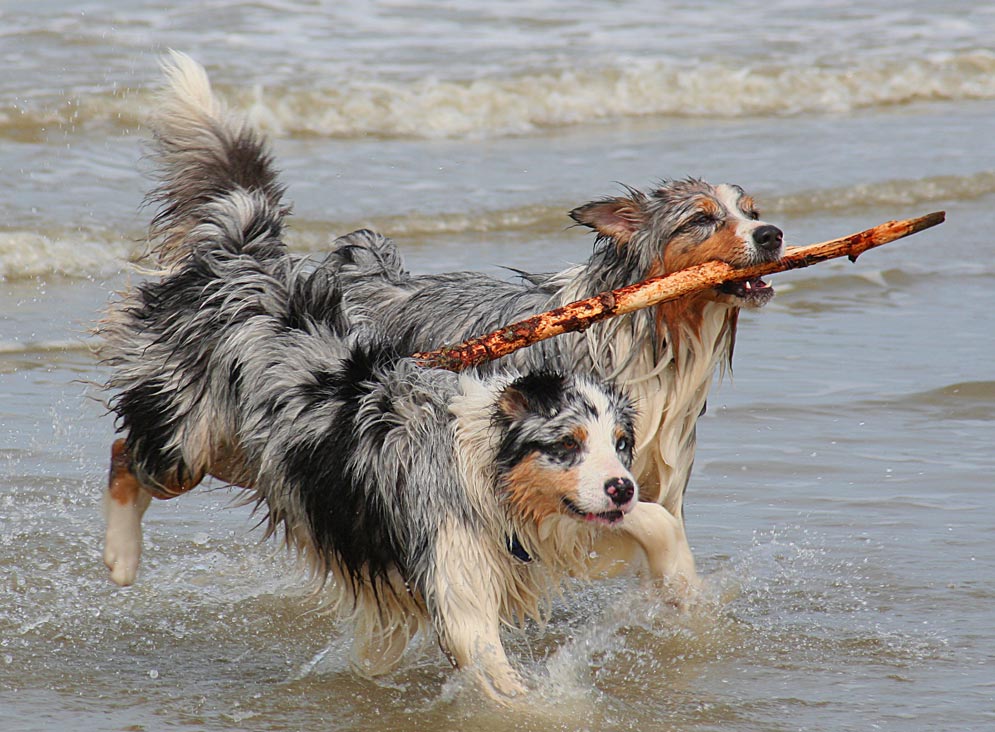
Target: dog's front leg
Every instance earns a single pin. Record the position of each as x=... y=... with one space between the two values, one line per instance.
x=466 y=606
x=662 y=538
x=652 y=538
x=125 y=503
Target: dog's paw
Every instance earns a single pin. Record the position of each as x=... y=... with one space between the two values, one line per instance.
x=123 y=544
x=505 y=687
x=122 y=559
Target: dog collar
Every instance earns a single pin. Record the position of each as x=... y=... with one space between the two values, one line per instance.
x=517 y=550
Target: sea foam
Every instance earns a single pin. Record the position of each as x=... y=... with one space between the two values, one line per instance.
x=434 y=107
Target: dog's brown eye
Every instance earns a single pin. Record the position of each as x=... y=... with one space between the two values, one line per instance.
x=569 y=444
x=753 y=214
x=700 y=221
x=565 y=449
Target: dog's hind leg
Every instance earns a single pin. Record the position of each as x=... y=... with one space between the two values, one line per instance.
x=125 y=502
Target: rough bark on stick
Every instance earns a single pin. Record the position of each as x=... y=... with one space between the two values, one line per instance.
x=583 y=313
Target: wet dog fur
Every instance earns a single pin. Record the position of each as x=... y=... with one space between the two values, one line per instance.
x=665 y=357
x=422 y=498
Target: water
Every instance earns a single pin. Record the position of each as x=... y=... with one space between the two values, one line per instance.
x=842 y=501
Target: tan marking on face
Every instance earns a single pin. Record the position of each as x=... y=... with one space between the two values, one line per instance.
x=747 y=204
x=725 y=245
x=709 y=206
x=536 y=492
x=686 y=314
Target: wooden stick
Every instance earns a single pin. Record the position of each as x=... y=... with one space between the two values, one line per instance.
x=583 y=313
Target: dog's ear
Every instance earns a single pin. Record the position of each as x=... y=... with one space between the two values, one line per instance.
x=616 y=218
x=539 y=393
x=513 y=405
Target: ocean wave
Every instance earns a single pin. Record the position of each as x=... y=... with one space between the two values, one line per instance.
x=96 y=252
x=439 y=108
x=537 y=217
x=891 y=193
x=27 y=254
x=887 y=194
x=104 y=253
x=969 y=400
x=960 y=401
x=20 y=348
x=550 y=217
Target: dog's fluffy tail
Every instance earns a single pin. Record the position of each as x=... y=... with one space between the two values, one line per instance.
x=365 y=254
x=206 y=154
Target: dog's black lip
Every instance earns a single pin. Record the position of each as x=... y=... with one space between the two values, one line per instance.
x=747 y=289
x=609 y=516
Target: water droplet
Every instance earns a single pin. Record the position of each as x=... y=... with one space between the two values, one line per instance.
x=154 y=674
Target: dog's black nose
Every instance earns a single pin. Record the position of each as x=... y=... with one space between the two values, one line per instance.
x=620 y=490
x=768 y=237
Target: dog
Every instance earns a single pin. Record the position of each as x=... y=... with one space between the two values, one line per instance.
x=666 y=357
x=425 y=500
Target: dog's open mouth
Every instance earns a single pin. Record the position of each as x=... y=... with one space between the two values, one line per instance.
x=754 y=291
x=606 y=518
